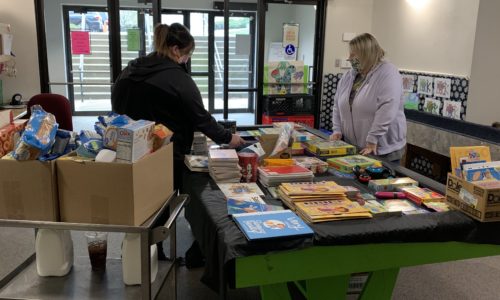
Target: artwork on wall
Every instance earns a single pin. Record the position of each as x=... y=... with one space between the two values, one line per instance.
x=432 y=106
x=411 y=100
x=451 y=109
x=442 y=87
x=424 y=85
x=408 y=82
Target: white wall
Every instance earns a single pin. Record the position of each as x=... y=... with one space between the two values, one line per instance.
x=437 y=37
x=276 y=15
x=484 y=101
x=21 y=15
x=344 y=16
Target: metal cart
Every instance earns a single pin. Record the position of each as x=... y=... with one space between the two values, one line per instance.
x=81 y=283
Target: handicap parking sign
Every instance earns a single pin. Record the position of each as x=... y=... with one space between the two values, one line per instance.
x=290 y=49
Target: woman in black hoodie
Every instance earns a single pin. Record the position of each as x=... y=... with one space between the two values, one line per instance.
x=158 y=88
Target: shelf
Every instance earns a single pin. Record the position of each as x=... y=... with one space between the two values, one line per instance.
x=81 y=283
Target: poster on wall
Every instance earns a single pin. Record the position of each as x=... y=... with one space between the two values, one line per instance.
x=432 y=106
x=290 y=35
x=277 y=53
x=424 y=85
x=442 y=87
x=451 y=109
x=80 y=42
x=411 y=100
x=408 y=82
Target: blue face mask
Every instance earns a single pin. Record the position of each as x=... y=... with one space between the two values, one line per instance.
x=355 y=64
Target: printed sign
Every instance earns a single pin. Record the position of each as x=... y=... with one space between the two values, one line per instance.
x=80 y=42
x=133 y=39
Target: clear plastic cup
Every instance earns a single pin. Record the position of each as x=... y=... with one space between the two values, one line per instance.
x=98 y=247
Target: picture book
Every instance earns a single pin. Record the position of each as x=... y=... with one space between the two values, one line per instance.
x=235 y=206
x=272 y=224
x=345 y=164
x=462 y=155
x=307 y=188
x=422 y=195
x=231 y=190
x=248 y=197
x=330 y=148
x=481 y=171
x=317 y=166
x=319 y=211
x=284 y=170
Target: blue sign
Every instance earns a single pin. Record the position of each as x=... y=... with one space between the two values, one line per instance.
x=290 y=49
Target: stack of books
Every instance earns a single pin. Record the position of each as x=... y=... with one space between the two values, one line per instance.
x=316 y=165
x=223 y=165
x=326 y=210
x=199 y=144
x=275 y=175
x=196 y=163
x=422 y=195
x=292 y=193
x=242 y=191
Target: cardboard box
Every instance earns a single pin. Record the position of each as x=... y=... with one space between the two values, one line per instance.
x=115 y=193
x=480 y=202
x=28 y=190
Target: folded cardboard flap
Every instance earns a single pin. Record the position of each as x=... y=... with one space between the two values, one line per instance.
x=28 y=190
x=115 y=193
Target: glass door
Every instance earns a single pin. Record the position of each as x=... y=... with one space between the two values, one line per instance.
x=88 y=84
x=241 y=63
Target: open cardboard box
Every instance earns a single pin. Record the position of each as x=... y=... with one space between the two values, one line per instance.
x=115 y=193
x=480 y=202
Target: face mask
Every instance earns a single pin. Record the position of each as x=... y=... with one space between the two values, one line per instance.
x=355 y=64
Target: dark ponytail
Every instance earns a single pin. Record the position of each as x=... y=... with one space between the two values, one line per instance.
x=174 y=35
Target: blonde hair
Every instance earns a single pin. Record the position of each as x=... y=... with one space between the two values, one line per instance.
x=368 y=50
x=174 y=35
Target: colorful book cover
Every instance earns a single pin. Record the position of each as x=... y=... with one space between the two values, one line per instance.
x=377 y=209
x=437 y=206
x=461 y=155
x=391 y=184
x=307 y=188
x=482 y=174
x=284 y=170
x=235 y=206
x=338 y=209
x=231 y=190
x=271 y=224
x=347 y=163
x=420 y=195
x=330 y=148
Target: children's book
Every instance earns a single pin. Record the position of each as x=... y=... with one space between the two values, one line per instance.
x=319 y=211
x=482 y=171
x=437 y=206
x=330 y=148
x=463 y=155
x=235 y=206
x=422 y=195
x=308 y=188
x=272 y=224
x=345 y=164
x=391 y=184
x=223 y=155
x=232 y=190
x=377 y=209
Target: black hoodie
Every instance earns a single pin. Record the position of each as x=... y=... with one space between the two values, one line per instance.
x=158 y=89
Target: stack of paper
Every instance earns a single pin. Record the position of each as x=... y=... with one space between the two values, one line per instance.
x=200 y=144
x=223 y=165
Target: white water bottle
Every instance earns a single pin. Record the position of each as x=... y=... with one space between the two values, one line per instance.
x=131 y=259
x=54 y=252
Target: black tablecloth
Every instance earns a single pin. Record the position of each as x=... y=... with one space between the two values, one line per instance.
x=222 y=241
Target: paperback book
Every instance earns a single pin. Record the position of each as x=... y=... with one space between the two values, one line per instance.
x=463 y=155
x=345 y=164
x=330 y=148
x=232 y=190
x=235 y=206
x=321 y=211
x=272 y=224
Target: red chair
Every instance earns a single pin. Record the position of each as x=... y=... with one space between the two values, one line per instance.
x=55 y=104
